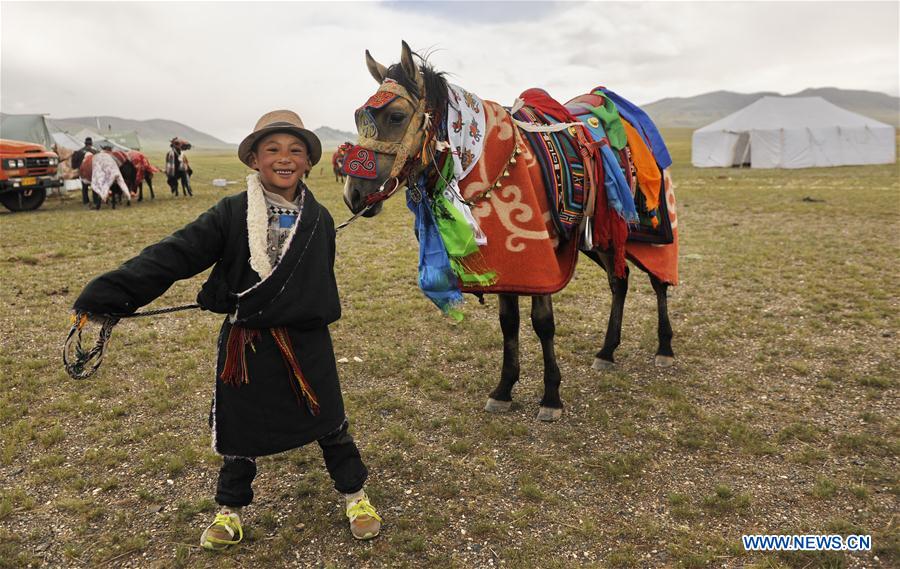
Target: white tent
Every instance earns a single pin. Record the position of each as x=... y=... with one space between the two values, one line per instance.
x=793 y=132
x=26 y=128
x=65 y=140
x=98 y=140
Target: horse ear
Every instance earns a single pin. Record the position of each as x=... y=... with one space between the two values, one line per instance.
x=377 y=70
x=406 y=61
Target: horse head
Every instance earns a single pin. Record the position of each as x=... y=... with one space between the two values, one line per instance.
x=396 y=128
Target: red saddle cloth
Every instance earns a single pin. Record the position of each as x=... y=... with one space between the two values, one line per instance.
x=522 y=248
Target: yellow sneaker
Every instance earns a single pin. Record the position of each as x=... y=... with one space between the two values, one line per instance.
x=221 y=533
x=365 y=523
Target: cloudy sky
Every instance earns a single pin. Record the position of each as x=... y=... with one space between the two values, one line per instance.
x=218 y=66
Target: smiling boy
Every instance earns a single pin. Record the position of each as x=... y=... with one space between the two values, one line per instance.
x=276 y=386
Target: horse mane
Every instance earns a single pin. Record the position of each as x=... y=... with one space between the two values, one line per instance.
x=436 y=97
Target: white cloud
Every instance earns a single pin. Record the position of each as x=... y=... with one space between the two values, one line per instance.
x=218 y=66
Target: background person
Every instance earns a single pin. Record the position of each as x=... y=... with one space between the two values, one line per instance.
x=77 y=159
x=177 y=167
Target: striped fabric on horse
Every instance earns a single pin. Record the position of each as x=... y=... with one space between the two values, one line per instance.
x=522 y=248
x=562 y=168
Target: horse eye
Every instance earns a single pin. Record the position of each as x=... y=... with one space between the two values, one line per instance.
x=397 y=118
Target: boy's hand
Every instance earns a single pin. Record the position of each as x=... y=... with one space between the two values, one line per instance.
x=82 y=318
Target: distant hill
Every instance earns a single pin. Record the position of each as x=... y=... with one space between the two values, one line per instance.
x=703 y=109
x=154 y=133
x=332 y=138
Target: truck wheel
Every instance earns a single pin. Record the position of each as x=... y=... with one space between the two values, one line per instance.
x=19 y=201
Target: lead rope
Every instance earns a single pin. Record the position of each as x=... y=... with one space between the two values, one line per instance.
x=81 y=363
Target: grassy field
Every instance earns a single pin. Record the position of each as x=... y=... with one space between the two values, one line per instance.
x=780 y=416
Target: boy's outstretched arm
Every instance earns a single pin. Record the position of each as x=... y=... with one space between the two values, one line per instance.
x=187 y=252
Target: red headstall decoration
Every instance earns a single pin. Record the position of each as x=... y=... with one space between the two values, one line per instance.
x=379 y=100
x=360 y=163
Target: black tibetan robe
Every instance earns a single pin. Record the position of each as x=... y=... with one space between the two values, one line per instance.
x=263 y=416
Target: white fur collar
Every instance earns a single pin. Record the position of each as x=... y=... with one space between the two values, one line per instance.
x=258 y=235
x=257 y=227
x=258 y=231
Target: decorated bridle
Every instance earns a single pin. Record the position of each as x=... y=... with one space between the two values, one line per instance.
x=360 y=160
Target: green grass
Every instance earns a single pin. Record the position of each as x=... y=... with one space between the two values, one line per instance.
x=782 y=405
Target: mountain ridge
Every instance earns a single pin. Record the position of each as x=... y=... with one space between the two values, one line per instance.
x=700 y=110
x=153 y=133
x=156 y=133
x=670 y=112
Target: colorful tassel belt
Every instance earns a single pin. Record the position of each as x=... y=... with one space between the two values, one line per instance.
x=234 y=372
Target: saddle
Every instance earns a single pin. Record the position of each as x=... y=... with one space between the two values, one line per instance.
x=641 y=174
x=562 y=170
x=631 y=181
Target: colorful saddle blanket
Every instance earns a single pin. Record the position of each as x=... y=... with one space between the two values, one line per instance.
x=639 y=172
x=632 y=180
x=562 y=169
x=522 y=249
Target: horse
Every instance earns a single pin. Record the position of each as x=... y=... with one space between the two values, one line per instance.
x=337 y=161
x=401 y=141
x=128 y=173
x=144 y=171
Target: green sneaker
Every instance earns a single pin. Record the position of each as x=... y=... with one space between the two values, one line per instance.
x=221 y=533
x=365 y=523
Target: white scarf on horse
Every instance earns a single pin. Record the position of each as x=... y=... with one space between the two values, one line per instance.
x=465 y=133
x=104 y=173
x=465 y=129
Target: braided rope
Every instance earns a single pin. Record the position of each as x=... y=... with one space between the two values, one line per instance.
x=82 y=363
x=160 y=311
x=81 y=367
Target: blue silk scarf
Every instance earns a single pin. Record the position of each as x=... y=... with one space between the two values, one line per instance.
x=436 y=277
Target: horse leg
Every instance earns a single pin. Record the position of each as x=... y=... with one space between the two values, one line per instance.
x=665 y=357
x=604 y=359
x=545 y=328
x=500 y=399
x=149 y=180
x=186 y=185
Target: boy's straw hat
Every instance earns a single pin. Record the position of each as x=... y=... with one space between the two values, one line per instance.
x=277 y=121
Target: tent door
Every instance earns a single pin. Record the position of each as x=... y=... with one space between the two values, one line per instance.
x=742 y=151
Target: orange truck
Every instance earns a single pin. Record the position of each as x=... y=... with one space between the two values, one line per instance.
x=27 y=171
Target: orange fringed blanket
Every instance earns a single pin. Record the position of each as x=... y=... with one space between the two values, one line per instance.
x=660 y=260
x=522 y=246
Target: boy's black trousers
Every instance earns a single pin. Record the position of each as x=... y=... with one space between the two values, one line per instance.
x=341 y=459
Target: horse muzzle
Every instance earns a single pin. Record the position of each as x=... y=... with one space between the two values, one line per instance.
x=355 y=198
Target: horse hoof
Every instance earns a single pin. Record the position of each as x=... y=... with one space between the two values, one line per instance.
x=549 y=414
x=665 y=361
x=602 y=365
x=494 y=406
